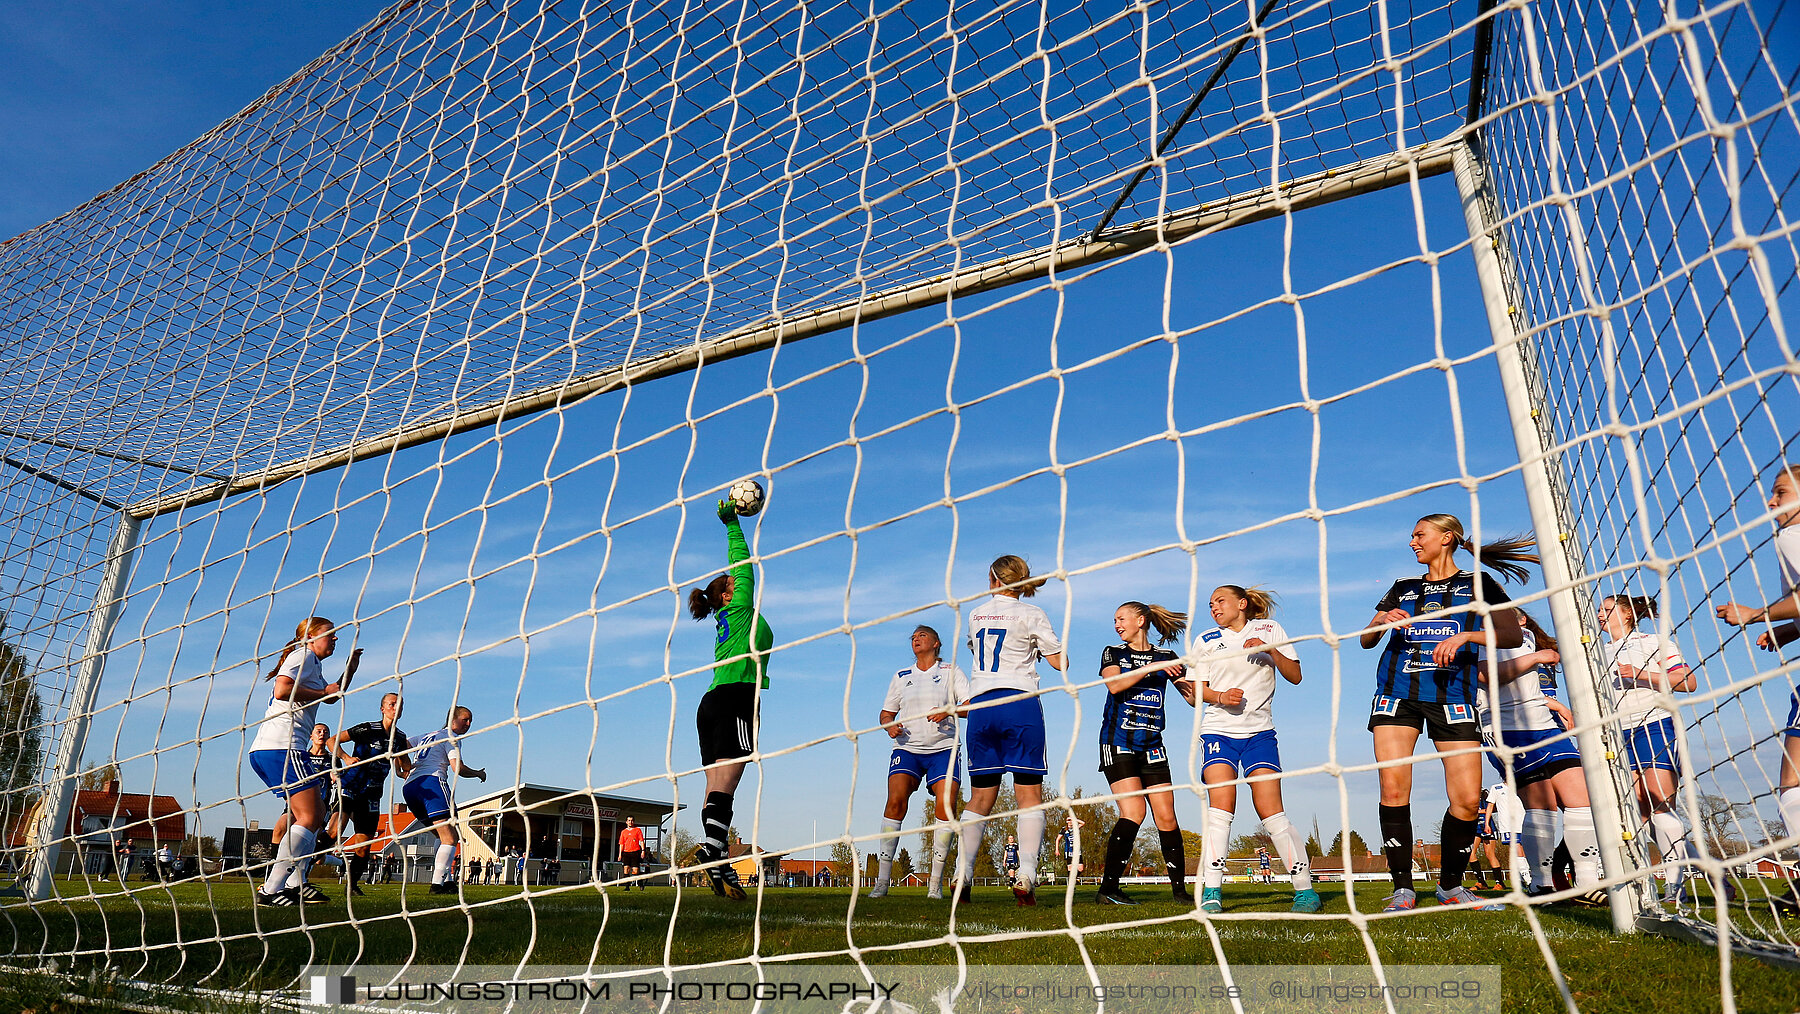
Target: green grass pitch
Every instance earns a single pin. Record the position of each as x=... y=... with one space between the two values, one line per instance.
x=183 y=934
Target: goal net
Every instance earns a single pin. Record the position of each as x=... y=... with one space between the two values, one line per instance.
x=456 y=337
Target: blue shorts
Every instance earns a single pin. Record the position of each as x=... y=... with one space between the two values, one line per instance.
x=930 y=768
x=426 y=799
x=1793 y=726
x=286 y=772
x=1245 y=754
x=1539 y=761
x=1007 y=737
x=1652 y=747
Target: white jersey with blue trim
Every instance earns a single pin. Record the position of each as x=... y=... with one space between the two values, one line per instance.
x=434 y=754
x=1254 y=674
x=1006 y=638
x=914 y=694
x=1787 y=552
x=1520 y=702
x=286 y=725
x=1509 y=811
x=1636 y=705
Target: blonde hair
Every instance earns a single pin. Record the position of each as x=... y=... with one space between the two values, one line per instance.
x=1167 y=623
x=305 y=631
x=1505 y=557
x=1013 y=575
x=1262 y=601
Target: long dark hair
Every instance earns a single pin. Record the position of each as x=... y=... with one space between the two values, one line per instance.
x=1543 y=637
x=1639 y=606
x=308 y=629
x=704 y=602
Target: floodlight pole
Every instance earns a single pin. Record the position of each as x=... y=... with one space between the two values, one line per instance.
x=59 y=794
x=1539 y=466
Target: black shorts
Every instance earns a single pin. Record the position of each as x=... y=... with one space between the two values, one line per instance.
x=363 y=812
x=727 y=722
x=1441 y=723
x=631 y=859
x=1548 y=769
x=1118 y=765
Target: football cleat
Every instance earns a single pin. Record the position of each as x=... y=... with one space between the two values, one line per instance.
x=1024 y=892
x=1402 y=900
x=1307 y=901
x=279 y=899
x=881 y=889
x=1212 y=899
x=1181 y=894
x=936 y=893
x=1464 y=896
x=1114 y=896
x=312 y=895
x=965 y=894
x=444 y=888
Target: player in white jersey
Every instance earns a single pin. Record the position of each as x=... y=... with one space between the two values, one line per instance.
x=435 y=758
x=1641 y=665
x=1521 y=714
x=1006 y=729
x=1778 y=620
x=919 y=713
x=1237 y=733
x=280 y=756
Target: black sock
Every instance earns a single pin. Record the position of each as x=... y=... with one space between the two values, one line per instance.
x=357 y=866
x=715 y=820
x=1397 y=844
x=1454 y=840
x=1118 y=852
x=1174 y=858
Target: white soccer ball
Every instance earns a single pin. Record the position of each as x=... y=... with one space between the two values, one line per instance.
x=746 y=497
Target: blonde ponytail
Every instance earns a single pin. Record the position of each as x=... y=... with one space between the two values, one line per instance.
x=1167 y=623
x=1505 y=557
x=1013 y=575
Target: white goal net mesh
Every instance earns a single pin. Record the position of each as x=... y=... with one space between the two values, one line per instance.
x=455 y=337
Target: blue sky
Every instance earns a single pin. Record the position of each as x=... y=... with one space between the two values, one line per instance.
x=536 y=573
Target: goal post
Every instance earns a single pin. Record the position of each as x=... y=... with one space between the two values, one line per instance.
x=1539 y=465
x=47 y=836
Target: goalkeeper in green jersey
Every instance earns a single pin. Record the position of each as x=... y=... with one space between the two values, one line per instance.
x=727 y=717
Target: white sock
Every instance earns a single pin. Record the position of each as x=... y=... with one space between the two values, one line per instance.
x=1521 y=869
x=970 y=842
x=440 y=868
x=1671 y=840
x=1538 y=837
x=300 y=845
x=1213 y=845
x=1291 y=847
x=1584 y=844
x=940 y=847
x=1789 y=801
x=1031 y=836
x=280 y=866
x=885 y=869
